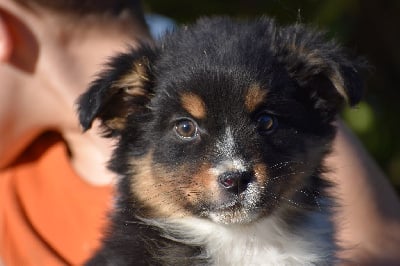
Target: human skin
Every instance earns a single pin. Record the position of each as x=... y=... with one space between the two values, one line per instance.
x=46 y=62
x=368 y=213
x=40 y=86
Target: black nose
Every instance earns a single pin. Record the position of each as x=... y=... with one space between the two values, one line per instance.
x=235 y=182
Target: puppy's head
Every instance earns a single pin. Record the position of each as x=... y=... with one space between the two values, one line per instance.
x=223 y=120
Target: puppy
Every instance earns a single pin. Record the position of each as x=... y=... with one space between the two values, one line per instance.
x=222 y=129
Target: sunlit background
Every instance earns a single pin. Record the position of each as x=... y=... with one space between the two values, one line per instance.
x=367 y=27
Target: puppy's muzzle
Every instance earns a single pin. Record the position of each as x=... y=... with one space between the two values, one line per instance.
x=236 y=182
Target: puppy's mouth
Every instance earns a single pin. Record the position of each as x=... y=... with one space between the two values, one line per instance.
x=241 y=208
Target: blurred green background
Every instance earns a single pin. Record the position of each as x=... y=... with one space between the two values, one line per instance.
x=367 y=27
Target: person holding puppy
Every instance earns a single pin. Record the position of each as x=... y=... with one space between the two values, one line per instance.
x=54 y=185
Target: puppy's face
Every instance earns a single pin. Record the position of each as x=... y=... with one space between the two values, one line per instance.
x=225 y=148
x=229 y=129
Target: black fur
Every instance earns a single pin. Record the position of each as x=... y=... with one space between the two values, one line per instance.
x=308 y=80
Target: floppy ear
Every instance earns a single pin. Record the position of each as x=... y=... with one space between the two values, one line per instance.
x=321 y=68
x=124 y=88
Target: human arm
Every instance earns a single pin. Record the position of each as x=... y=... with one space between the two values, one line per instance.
x=368 y=216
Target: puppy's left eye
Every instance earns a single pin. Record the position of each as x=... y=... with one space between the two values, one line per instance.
x=266 y=123
x=186 y=129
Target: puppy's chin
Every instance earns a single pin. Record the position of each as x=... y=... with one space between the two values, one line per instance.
x=237 y=215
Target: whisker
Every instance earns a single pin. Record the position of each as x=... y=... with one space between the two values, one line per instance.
x=288 y=174
x=304 y=192
x=287 y=200
x=314 y=195
x=281 y=165
x=317 y=202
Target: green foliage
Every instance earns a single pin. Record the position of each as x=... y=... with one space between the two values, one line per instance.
x=361 y=119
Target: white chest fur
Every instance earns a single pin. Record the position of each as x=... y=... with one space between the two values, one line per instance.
x=267 y=242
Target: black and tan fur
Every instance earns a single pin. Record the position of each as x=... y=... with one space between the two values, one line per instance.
x=222 y=129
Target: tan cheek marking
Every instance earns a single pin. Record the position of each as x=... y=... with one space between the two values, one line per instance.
x=194 y=105
x=287 y=182
x=254 y=97
x=151 y=186
x=261 y=173
x=203 y=187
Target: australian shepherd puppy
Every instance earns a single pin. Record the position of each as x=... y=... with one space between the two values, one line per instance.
x=222 y=129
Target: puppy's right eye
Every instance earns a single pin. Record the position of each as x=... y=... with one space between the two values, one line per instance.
x=186 y=129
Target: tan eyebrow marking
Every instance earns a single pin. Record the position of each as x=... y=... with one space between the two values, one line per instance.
x=194 y=105
x=254 y=97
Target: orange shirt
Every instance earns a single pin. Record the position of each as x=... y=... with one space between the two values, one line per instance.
x=48 y=215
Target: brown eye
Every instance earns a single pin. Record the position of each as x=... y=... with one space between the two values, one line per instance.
x=266 y=123
x=186 y=129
